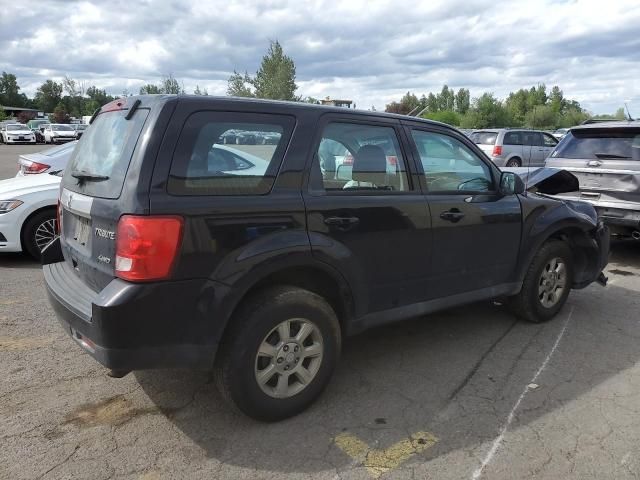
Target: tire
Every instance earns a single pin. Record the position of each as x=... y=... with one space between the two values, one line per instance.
x=536 y=303
x=514 y=162
x=257 y=322
x=38 y=224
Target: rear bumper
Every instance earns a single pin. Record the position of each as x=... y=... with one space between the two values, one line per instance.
x=130 y=326
x=622 y=214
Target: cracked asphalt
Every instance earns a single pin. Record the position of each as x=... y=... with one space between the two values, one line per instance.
x=469 y=391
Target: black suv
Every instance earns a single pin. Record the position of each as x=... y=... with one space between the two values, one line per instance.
x=178 y=248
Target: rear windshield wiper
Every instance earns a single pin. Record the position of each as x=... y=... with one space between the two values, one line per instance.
x=610 y=155
x=92 y=177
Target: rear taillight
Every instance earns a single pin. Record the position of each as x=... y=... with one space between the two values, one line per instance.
x=147 y=246
x=33 y=167
x=348 y=160
x=392 y=160
x=497 y=151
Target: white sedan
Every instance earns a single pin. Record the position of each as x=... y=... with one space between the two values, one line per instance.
x=17 y=133
x=28 y=212
x=58 y=133
x=49 y=160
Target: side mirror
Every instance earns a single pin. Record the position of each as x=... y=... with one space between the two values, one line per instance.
x=511 y=183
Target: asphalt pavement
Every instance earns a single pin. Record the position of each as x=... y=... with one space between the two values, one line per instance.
x=466 y=393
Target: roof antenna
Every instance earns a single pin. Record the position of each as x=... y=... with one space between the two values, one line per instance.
x=629 y=117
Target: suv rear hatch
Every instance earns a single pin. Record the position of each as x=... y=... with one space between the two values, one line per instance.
x=606 y=160
x=92 y=184
x=486 y=140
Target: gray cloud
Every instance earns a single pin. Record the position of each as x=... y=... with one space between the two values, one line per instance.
x=371 y=51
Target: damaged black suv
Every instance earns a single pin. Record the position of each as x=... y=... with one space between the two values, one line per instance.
x=252 y=236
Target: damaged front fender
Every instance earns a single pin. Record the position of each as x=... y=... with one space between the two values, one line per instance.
x=550 y=181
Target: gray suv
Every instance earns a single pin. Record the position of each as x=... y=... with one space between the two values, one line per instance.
x=515 y=147
x=606 y=159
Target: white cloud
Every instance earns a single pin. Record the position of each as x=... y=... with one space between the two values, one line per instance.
x=370 y=51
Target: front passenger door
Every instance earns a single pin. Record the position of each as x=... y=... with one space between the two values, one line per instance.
x=476 y=230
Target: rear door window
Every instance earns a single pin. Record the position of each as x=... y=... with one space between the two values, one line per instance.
x=600 y=144
x=355 y=157
x=512 y=138
x=549 y=140
x=104 y=153
x=229 y=153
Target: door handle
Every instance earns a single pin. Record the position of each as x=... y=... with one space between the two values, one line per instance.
x=594 y=163
x=342 y=223
x=454 y=215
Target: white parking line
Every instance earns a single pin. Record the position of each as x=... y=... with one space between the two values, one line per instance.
x=498 y=441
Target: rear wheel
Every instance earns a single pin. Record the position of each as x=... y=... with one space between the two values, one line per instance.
x=38 y=231
x=514 y=162
x=546 y=284
x=279 y=354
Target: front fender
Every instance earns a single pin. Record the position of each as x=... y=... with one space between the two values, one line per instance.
x=574 y=222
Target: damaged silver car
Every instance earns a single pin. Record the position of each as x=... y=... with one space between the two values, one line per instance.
x=605 y=157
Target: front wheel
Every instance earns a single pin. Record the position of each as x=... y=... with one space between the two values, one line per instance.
x=546 y=284
x=279 y=354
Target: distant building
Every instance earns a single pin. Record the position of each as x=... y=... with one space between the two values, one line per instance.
x=15 y=111
x=337 y=103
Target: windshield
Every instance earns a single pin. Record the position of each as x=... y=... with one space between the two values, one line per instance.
x=105 y=151
x=598 y=144
x=81 y=127
x=16 y=127
x=484 y=138
x=64 y=128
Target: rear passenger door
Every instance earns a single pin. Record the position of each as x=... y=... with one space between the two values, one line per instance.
x=530 y=145
x=476 y=230
x=365 y=214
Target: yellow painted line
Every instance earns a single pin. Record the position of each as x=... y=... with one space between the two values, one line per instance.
x=378 y=462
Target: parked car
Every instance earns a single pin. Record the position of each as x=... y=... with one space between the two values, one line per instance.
x=606 y=159
x=79 y=128
x=28 y=212
x=515 y=147
x=16 y=133
x=54 y=158
x=559 y=133
x=169 y=256
x=39 y=132
x=58 y=133
x=36 y=123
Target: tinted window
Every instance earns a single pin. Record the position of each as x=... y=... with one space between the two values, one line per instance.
x=600 y=144
x=449 y=165
x=229 y=154
x=357 y=157
x=531 y=138
x=484 y=138
x=549 y=140
x=512 y=138
x=105 y=150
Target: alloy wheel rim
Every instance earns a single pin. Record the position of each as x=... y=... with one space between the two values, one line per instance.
x=552 y=282
x=45 y=233
x=288 y=358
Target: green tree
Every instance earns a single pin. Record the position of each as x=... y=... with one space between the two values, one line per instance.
x=3 y=115
x=203 y=92
x=445 y=116
x=10 y=95
x=432 y=103
x=463 y=101
x=541 y=116
x=170 y=85
x=60 y=115
x=98 y=95
x=620 y=114
x=276 y=77
x=407 y=103
x=240 y=85
x=149 y=89
x=486 y=111
x=556 y=100
x=48 y=95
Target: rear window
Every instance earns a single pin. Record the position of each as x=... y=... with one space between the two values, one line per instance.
x=598 y=144
x=105 y=150
x=229 y=153
x=484 y=138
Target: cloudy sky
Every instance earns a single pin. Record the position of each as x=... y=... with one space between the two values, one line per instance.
x=369 y=51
